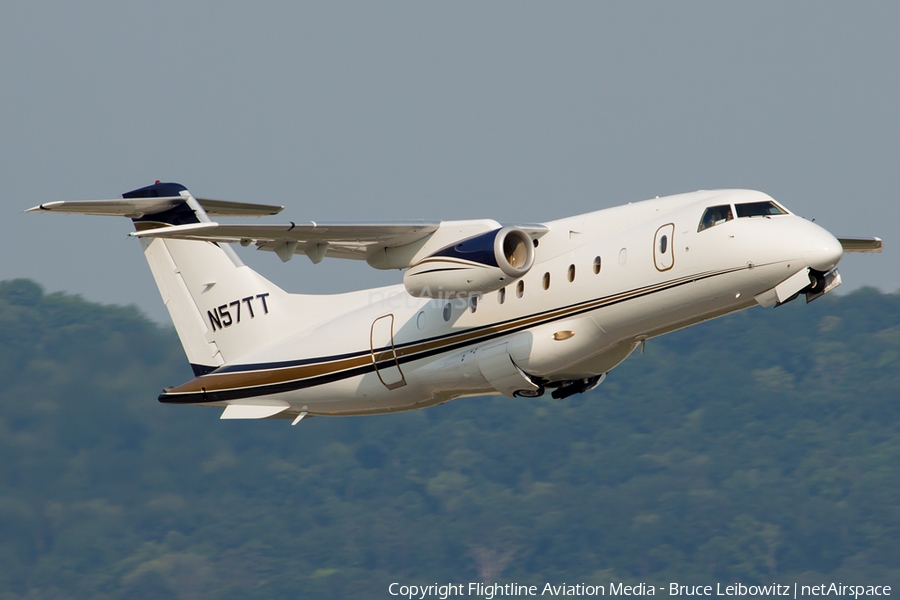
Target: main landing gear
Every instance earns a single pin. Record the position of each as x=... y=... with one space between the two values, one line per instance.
x=564 y=389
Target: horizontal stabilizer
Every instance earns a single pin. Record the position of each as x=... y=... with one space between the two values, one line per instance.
x=252 y=411
x=861 y=244
x=135 y=208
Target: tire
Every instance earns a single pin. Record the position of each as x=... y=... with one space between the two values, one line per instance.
x=529 y=393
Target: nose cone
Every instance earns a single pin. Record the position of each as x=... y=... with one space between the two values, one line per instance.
x=823 y=250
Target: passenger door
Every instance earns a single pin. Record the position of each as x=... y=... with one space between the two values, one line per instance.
x=383 y=356
x=664 y=247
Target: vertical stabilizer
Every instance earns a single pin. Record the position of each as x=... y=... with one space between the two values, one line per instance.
x=221 y=308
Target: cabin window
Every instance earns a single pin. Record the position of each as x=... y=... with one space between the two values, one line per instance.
x=473 y=303
x=597 y=266
x=420 y=320
x=715 y=215
x=501 y=295
x=448 y=311
x=546 y=281
x=663 y=244
x=520 y=288
x=571 y=273
x=758 y=209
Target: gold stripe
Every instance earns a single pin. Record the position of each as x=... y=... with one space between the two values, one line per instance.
x=245 y=379
x=225 y=381
x=457 y=261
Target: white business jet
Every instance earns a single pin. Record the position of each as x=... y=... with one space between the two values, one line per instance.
x=485 y=308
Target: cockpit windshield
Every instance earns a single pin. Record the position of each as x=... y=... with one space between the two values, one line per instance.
x=758 y=209
x=715 y=215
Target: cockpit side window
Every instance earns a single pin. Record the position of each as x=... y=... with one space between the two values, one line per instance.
x=715 y=215
x=758 y=209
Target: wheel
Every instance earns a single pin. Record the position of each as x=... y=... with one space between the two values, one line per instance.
x=529 y=393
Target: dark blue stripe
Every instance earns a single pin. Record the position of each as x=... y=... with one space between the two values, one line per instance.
x=479 y=249
x=236 y=394
x=201 y=369
x=238 y=368
x=181 y=214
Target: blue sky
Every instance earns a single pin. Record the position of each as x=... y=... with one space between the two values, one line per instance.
x=518 y=111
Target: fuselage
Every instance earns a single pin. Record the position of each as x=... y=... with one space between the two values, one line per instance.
x=602 y=283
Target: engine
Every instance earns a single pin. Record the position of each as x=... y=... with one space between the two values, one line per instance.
x=475 y=265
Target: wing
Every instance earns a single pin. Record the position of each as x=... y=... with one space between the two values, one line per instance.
x=317 y=240
x=384 y=245
x=370 y=241
x=854 y=244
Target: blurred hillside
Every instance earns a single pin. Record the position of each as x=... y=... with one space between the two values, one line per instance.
x=759 y=447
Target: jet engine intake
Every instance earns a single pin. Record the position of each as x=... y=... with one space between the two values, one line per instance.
x=476 y=265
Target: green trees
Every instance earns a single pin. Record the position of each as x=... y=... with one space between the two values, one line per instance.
x=762 y=446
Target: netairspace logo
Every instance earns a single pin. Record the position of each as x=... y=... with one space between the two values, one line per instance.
x=495 y=590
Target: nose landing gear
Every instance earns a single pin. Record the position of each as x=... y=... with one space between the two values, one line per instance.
x=821 y=283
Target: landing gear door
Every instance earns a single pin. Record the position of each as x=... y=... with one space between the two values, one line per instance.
x=383 y=355
x=664 y=247
x=504 y=375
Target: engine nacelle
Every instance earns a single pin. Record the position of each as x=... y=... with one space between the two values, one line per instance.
x=475 y=265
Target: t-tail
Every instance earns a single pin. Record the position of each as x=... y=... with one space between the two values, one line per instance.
x=222 y=310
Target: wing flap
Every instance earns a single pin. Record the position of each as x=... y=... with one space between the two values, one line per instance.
x=225 y=208
x=369 y=241
x=340 y=240
x=401 y=232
